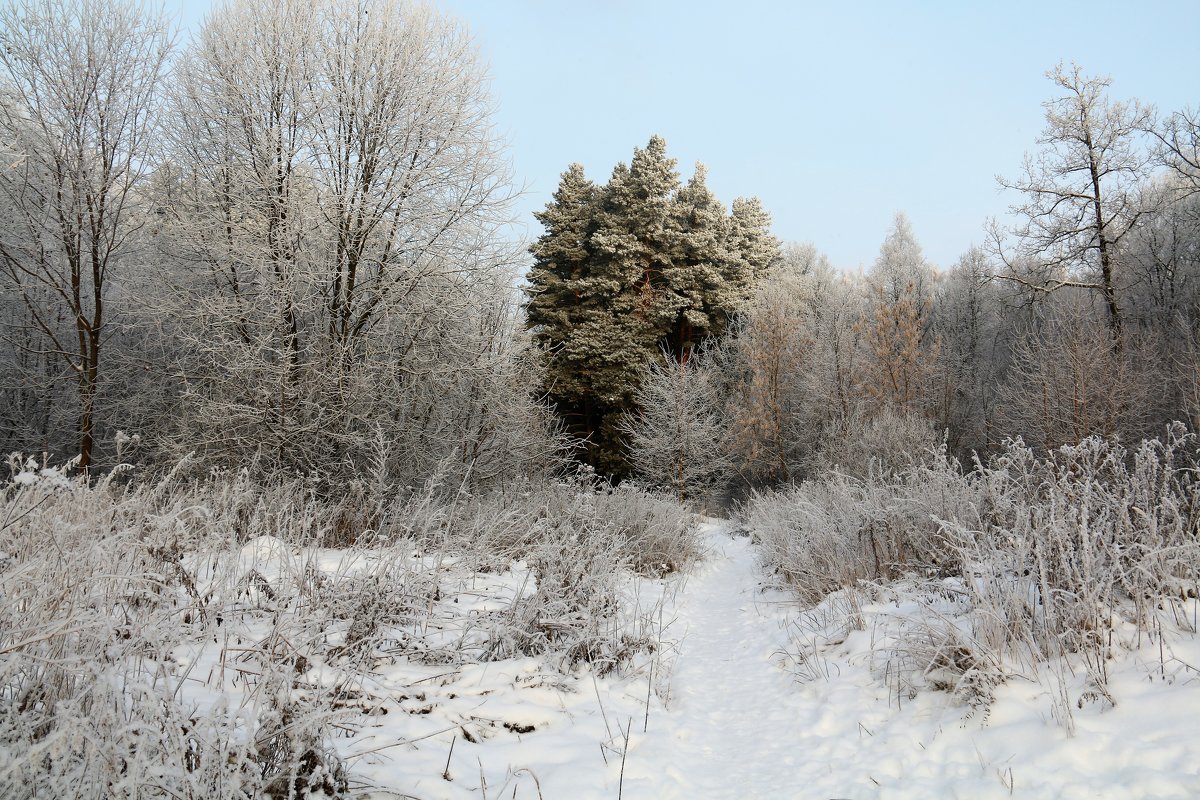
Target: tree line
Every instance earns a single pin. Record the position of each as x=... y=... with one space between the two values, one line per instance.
x=1081 y=317
x=281 y=248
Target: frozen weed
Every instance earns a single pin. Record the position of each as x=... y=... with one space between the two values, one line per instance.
x=1059 y=558
x=829 y=534
x=196 y=638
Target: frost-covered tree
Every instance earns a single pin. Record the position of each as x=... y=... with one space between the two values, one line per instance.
x=1082 y=192
x=79 y=96
x=1162 y=292
x=703 y=280
x=674 y=439
x=967 y=320
x=901 y=267
x=901 y=349
x=622 y=270
x=1179 y=147
x=898 y=371
x=1162 y=260
x=1066 y=383
x=592 y=346
x=771 y=357
x=334 y=189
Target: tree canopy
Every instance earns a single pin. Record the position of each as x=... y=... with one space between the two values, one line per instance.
x=642 y=263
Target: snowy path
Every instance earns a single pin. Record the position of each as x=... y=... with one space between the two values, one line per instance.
x=731 y=722
x=738 y=725
x=734 y=724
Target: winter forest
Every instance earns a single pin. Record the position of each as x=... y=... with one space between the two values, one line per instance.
x=322 y=483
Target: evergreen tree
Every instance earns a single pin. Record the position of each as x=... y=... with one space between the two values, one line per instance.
x=699 y=301
x=752 y=248
x=641 y=264
x=566 y=292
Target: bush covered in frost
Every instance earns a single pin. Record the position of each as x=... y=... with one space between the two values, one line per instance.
x=201 y=639
x=1067 y=555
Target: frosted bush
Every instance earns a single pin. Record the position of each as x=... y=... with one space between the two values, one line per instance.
x=1070 y=545
x=577 y=539
x=1062 y=557
x=887 y=444
x=194 y=638
x=832 y=533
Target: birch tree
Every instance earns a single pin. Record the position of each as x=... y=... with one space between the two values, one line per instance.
x=78 y=112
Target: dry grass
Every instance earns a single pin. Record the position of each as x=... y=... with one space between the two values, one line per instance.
x=1059 y=559
x=198 y=639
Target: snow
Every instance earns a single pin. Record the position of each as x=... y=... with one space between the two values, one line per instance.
x=741 y=725
x=734 y=719
x=737 y=723
x=729 y=707
x=28 y=474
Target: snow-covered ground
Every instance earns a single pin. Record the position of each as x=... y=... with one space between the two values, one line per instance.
x=450 y=676
x=733 y=713
x=741 y=723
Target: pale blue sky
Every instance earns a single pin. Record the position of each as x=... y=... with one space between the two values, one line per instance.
x=837 y=115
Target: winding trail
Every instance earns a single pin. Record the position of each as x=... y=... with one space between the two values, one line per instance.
x=736 y=725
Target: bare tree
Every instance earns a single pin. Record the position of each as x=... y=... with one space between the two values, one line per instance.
x=836 y=361
x=1082 y=191
x=1179 y=147
x=338 y=186
x=772 y=344
x=967 y=318
x=409 y=170
x=1163 y=259
x=790 y=371
x=1065 y=384
x=78 y=113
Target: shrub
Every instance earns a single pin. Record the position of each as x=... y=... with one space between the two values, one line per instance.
x=1070 y=555
x=194 y=639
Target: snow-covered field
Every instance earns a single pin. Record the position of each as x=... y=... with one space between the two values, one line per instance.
x=147 y=649
x=739 y=717
x=436 y=672
x=444 y=717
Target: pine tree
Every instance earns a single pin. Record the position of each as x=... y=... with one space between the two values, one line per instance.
x=641 y=264
x=752 y=248
x=563 y=295
x=699 y=302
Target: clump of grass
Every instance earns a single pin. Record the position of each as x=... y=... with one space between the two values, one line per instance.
x=197 y=638
x=1061 y=557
